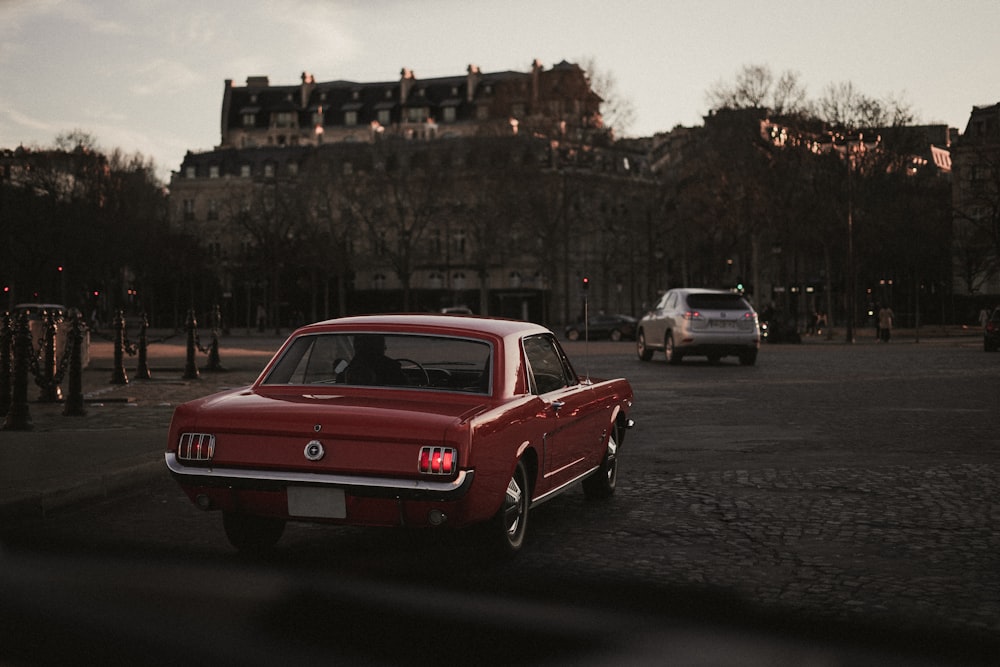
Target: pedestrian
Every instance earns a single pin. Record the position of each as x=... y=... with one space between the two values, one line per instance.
x=885 y=318
x=261 y=317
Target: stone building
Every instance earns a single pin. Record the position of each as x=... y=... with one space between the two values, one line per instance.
x=494 y=191
x=976 y=204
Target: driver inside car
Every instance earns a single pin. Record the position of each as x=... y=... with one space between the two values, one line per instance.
x=370 y=365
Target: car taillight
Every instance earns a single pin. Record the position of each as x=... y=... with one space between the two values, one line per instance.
x=692 y=315
x=196 y=447
x=437 y=460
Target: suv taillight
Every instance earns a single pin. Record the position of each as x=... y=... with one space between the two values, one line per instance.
x=437 y=460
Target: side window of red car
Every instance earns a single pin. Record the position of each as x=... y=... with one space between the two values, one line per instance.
x=548 y=368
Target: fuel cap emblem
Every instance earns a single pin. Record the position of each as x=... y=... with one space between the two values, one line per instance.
x=314 y=450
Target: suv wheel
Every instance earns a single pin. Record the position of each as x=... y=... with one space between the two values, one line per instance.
x=671 y=352
x=644 y=352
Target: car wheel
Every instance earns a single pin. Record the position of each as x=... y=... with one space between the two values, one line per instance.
x=748 y=358
x=511 y=521
x=615 y=335
x=602 y=483
x=573 y=334
x=673 y=356
x=644 y=353
x=252 y=534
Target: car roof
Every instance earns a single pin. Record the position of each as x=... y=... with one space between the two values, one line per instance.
x=703 y=290
x=430 y=323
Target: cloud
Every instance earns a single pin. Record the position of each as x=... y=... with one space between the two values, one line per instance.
x=160 y=76
x=24 y=121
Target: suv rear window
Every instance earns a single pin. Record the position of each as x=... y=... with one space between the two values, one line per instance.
x=717 y=301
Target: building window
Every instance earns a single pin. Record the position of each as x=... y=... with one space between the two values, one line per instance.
x=249 y=120
x=293 y=169
x=348 y=168
x=384 y=116
x=284 y=119
x=417 y=114
x=436 y=280
x=268 y=170
x=449 y=114
x=458 y=242
x=350 y=118
x=188 y=210
x=190 y=171
x=244 y=171
x=213 y=209
x=213 y=171
x=482 y=112
x=378 y=281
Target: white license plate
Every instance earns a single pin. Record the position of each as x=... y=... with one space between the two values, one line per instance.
x=316 y=503
x=722 y=324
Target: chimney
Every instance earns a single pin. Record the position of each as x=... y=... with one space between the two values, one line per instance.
x=257 y=82
x=406 y=81
x=308 y=85
x=471 y=82
x=536 y=72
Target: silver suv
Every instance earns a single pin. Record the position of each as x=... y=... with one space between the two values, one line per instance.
x=710 y=323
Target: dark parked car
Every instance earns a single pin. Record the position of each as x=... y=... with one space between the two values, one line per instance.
x=404 y=420
x=991 y=332
x=613 y=327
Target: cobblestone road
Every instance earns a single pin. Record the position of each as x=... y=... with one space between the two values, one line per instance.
x=853 y=483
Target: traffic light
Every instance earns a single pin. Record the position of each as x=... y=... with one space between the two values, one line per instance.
x=585 y=283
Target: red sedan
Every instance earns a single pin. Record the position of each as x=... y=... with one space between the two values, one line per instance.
x=401 y=420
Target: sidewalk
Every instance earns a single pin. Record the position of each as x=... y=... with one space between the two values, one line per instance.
x=120 y=441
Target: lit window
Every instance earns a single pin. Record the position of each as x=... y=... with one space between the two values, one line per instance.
x=190 y=171
x=213 y=171
x=449 y=114
x=350 y=118
x=249 y=120
x=245 y=171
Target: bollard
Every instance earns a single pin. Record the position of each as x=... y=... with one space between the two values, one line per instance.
x=118 y=375
x=50 y=392
x=18 y=416
x=214 y=363
x=142 y=372
x=6 y=339
x=190 y=367
x=74 y=396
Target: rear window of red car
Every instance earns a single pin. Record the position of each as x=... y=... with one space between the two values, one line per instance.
x=385 y=360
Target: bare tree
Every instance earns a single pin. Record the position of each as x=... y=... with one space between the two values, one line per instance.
x=618 y=111
x=755 y=87
x=843 y=106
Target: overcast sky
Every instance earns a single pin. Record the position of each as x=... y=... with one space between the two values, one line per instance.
x=147 y=75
